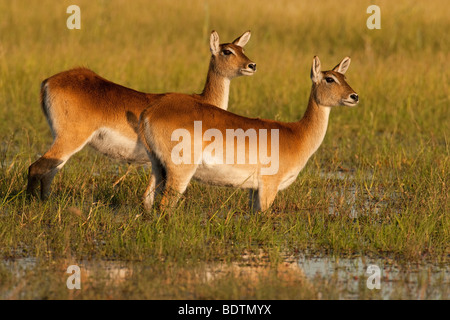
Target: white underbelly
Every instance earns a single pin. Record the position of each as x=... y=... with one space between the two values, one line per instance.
x=117 y=146
x=287 y=181
x=227 y=175
x=290 y=176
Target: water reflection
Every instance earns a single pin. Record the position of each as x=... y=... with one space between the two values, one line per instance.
x=409 y=281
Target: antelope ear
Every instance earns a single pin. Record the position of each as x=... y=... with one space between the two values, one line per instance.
x=316 y=73
x=243 y=39
x=343 y=66
x=214 y=45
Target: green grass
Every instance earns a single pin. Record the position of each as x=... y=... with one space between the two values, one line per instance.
x=382 y=171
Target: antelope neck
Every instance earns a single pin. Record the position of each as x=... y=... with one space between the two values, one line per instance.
x=313 y=126
x=217 y=90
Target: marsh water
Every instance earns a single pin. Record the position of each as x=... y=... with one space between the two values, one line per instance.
x=396 y=281
x=353 y=277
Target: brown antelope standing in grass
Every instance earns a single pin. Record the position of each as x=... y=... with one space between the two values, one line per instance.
x=290 y=144
x=84 y=109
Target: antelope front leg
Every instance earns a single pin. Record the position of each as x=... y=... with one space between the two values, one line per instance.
x=253 y=200
x=155 y=186
x=266 y=196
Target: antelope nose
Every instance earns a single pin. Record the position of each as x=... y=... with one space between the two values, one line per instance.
x=354 y=96
x=252 y=66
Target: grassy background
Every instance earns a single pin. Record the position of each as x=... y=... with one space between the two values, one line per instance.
x=386 y=160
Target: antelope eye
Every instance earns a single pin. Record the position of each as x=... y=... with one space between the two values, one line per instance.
x=329 y=79
x=226 y=52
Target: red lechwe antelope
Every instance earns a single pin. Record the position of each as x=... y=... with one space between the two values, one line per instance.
x=84 y=109
x=291 y=144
